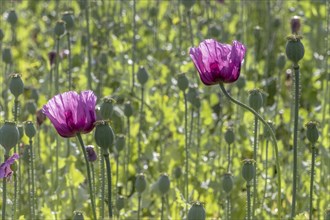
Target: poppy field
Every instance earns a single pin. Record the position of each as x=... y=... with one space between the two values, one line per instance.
x=165 y=109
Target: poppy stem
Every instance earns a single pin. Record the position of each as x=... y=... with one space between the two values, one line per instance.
x=4 y=193
x=279 y=207
x=107 y=162
x=88 y=174
x=311 y=184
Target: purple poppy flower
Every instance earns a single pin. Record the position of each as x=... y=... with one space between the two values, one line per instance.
x=217 y=62
x=91 y=154
x=5 y=170
x=72 y=113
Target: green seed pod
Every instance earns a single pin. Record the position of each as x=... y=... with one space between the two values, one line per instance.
x=294 y=49
x=177 y=172
x=67 y=17
x=21 y=131
x=31 y=106
x=2 y=35
x=257 y=32
x=104 y=136
x=120 y=142
x=103 y=58
x=77 y=215
x=12 y=17
x=142 y=75
x=241 y=82
x=227 y=182
x=16 y=85
x=183 y=82
x=196 y=212
x=59 y=28
x=30 y=129
x=164 y=184
x=7 y=57
x=312 y=132
x=229 y=136
x=120 y=203
x=106 y=108
x=327 y=214
x=281 y=60
x=255 y=99
x=188 y=3
x=140 y=183
x=128 y=109
x=9 y=135
x=249 y=170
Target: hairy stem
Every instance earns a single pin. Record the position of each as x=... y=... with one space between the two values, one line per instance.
x=108 y=165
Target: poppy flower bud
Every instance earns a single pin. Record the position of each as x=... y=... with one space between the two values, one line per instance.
x=140 y=183
x=177 y=172
x=142 y=75
x=229 y=136
x=7 y=57
x=77 y=215
x=255 y=99
x=104 y=136
x=249 y=170
x=20 y=131
x=183 y=82
x=281 y=60
x=2 y=35
x=295 y=24
x=59 y=28
x=16 y=85
x=30 y=130
x=31 y=106
x=164 y=184
x=9 y=135
x=67 y=17
x=106 y=108
x=241 y=82
x=91 y=154
x=128 y=109
x=227 y=182
x=196 y=212
x=294 y=49
x=120 y=142
x=312 y=132
x=120 y=203
x=12 y=17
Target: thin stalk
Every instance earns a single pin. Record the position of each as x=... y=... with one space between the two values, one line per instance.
x=255 y=148
x=295 y=139
x=5 y=91
x=311 y=184
x=107 y=162
x=93 y=178
x=228 y=159
x=17 y=178
x=102 y=194
x=279 y=207
x=186 y=149
x=117 y=174
x=89 y=48
x=139 y=205
x=162 y=210
x=133 y=47
x=198 y=140
x=248 y=200
x=29 y=189
x=228 y=212
x=69 y=60
x=31 y=163
x=266 y=174
x=57 y=65
x=4 y=192
x=88 y=174
x=128 y=154
x=140 y=124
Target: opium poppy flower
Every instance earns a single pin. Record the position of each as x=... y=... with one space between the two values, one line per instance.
x=72 y=113
x=217 y=62
x=5 y=170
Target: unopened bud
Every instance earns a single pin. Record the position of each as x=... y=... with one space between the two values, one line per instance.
x=120 y=203
x=7 y=57
x=77 y=215
x=142 y=75
x=52 y=57
x=164 y=184
x=227 y=182
x=255 y=99
x=295 y=24
x=59 y=28
x=312 y=132
x=41 y=117
x=91 y=154
x=140 y=183
x=12 y=17
x=16 y=85
x=31 y=106
x=128 y=109
x=120 y=142
x=281 y=60
x=229 y=136
x=249 y=170
x=106 y=108
x=104 y=136
x=183 y=82
x=188 y=3
x=30 y=130
x=196 y=212
x=177 y=172
x=68 y=19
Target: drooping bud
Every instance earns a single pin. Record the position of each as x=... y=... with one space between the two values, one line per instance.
x=227 y=182
x=120 y=203
x=9 y=135
x=16 y=85
x=294 y=49
x=183 y=82
x=140 y=183
x=249 y=170
x=128 y=109
x=312 y=132
x=78 y=215
x=31 y=106
x=106 y=108
x=120 y=142
x=12 y=17
x=281 y=60
x=59 y=28
x=229 y=136
x=91 y=154
x=104 y=136
x=255 y=99
x=196 y=212
x=295 y=24
x=30 y=130
x=142 y=75
x=68 y=19
x=164 y=184
x=7 y=57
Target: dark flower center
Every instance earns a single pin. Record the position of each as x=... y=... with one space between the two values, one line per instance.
x=69 y=119
x=214 y=67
